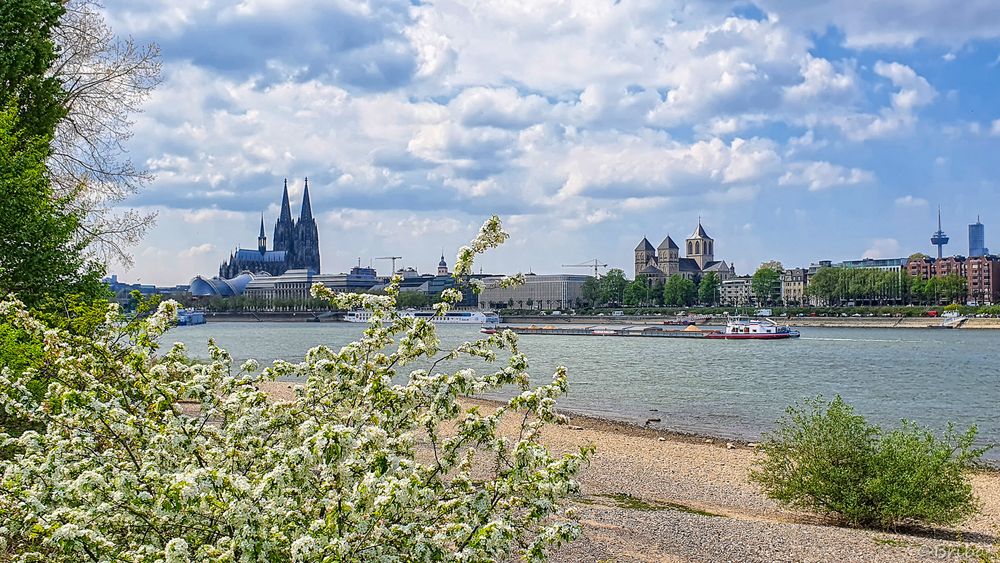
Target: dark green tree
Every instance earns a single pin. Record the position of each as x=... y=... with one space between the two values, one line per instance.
x=953 y=288
x=613 y=286
x=42 y=252
x=591 y=291
x=708 y=289
x=656 y=293
x=766 y=285
x=27 y=52
x=635 y=293
x=679 y=292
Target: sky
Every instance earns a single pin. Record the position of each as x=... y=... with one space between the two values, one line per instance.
x=796 y=131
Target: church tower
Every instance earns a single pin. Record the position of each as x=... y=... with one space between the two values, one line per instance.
x=262 y=238
x=442 y=266
x=701 y=247
x=668 y=257
x=284 y=229
x=306 y=243
x=644 y=254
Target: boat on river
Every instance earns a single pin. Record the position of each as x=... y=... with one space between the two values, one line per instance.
x=188 y=317
x=746 y=328
x=738 y=328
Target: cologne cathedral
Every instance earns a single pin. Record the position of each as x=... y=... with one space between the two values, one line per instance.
x=295 y=244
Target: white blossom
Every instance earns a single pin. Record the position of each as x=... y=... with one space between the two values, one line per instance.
x=146 y=457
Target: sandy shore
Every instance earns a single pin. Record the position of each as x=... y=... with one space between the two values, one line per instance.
x=652 y=496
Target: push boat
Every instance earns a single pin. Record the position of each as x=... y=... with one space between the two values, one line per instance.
x=746 y=328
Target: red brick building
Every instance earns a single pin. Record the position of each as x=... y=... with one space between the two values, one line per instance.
x=950 y=266
x=982 y=274
x=922 y=268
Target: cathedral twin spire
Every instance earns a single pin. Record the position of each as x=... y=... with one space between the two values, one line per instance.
x=262 y=238
x=286 y=207
x=298 y=238
x=307 y=212
x=295 y=243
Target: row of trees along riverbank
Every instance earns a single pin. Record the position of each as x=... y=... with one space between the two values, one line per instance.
x=828 y=286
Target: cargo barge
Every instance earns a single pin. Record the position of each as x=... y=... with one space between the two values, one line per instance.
x=738 y=328
x=691 y=331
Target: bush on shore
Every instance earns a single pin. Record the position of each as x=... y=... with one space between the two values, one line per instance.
x=826 y=458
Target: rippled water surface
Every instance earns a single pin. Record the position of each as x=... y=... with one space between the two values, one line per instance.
x=723 y=388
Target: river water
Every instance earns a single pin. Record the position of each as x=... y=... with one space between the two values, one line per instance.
x=730 y=389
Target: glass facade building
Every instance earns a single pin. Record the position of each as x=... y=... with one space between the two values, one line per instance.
x=977 y=240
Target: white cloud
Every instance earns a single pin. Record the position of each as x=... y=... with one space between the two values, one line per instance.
x=995 y=128
x=820 y=175
x=910 y=201
x=912 y=92
x=560 y=113
x=643 y=203
x=209 y=215
x=737 y=194
x=882 y=248
x=821 y=81
x=421 y=226
x=498 y=107
x=894 y=23
x=200 y=250
x=655 y=165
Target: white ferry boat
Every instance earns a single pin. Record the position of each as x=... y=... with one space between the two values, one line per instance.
x=187 y=317
x=745 y=328
x=488 y=318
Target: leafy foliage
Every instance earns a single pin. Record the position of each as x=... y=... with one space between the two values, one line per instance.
x=26 y=53
x=591 y=291
x=766 y=284
x=836 y=286
x=679 y=291
x=149 y=457
x=708 y=288
x=825 y=457
x=637 y=293
x=42 y=254
x=613 y=286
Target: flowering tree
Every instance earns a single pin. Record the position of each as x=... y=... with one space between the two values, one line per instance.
x=149 y=458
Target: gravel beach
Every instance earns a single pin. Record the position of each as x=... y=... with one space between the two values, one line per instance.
x=650 y=495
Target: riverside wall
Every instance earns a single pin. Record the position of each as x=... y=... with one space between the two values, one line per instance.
x=272 y=316
x=825 y=322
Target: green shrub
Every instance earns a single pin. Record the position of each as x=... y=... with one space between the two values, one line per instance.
x=826 y=458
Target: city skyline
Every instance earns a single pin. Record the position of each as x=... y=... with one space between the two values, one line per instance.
x=797 y=132
x=417 y=264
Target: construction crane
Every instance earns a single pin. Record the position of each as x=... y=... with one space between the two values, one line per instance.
x=393 y=258
x=595 y=264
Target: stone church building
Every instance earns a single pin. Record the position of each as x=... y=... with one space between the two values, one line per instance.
x=296 y=244
x=658 y=264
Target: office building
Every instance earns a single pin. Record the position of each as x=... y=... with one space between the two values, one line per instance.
x=977 y=240
x=539 y=291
